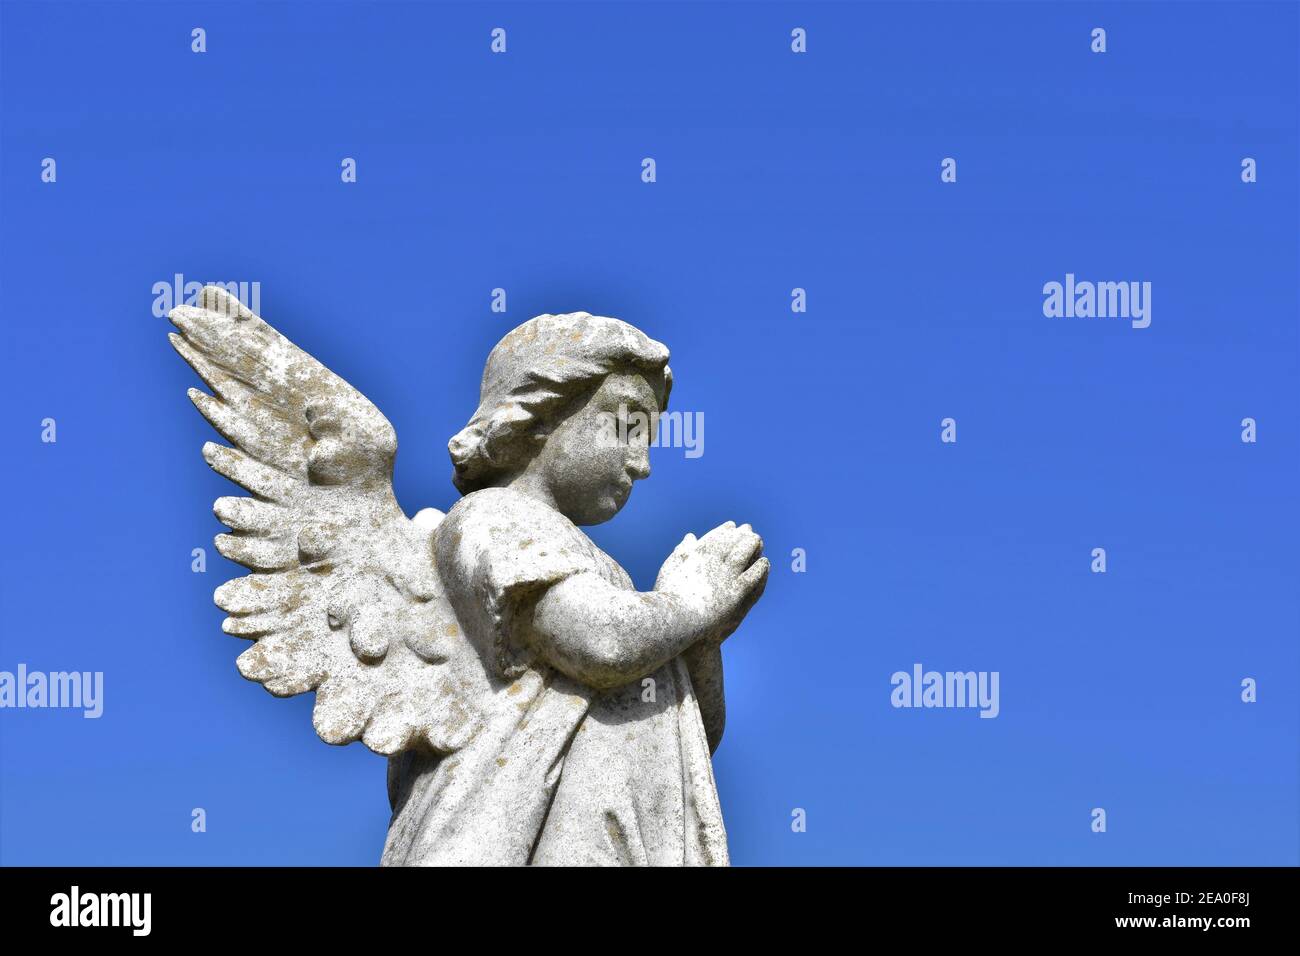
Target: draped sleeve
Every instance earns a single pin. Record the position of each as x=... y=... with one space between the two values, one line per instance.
x=502 y=550
x=560 y=774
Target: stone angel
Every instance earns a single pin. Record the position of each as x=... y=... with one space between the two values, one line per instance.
x=534 y=706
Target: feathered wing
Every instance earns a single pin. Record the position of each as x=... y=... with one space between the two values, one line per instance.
x=344 y=597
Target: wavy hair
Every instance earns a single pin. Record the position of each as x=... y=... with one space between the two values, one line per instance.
x=533 y=374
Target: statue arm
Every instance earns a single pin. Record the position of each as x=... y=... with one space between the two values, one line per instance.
x=704 y=662
x=606 y=637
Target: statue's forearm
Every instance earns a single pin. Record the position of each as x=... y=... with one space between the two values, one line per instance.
x=606 y=637
x=704 y=662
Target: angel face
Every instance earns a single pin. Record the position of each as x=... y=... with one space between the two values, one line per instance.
x=591 y=459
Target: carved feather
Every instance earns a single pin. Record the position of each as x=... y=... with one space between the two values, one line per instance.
x=344 y=599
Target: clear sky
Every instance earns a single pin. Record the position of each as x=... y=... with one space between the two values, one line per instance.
x=774 y=171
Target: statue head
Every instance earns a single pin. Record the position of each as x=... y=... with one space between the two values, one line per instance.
x=552 y=413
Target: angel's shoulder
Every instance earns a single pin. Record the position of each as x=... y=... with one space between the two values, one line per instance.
x=499 y=549
x=502 y=524
x=503 y=514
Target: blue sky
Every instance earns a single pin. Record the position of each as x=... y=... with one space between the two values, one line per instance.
x=775 y=170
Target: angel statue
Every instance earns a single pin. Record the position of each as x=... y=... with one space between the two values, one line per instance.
x=534 y=706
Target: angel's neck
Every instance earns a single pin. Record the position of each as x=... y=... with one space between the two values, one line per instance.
x=532 y=484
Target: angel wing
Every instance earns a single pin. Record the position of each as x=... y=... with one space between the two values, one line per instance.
x=344 y=597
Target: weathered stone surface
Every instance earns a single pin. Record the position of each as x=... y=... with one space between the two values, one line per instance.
x=535 y=707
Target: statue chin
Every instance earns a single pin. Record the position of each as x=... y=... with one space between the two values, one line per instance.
x=598 y=511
